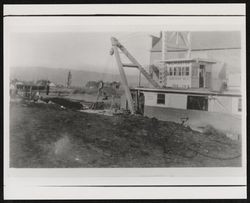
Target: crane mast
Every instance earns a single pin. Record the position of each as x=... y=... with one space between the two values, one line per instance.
x=135 y=64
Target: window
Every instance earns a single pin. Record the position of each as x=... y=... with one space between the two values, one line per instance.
x=160 y=98
x=239 y=104
x=175 y=70
x=197 y=103
x=170 y=71
x=202 y=66
x=187 y=70
x=179 y=70
x=183 y=71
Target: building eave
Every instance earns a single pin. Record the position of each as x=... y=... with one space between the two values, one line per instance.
x=187 y=60
x=205 y=49
x=188 y=91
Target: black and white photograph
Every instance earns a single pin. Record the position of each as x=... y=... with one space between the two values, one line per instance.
x=73 y=105
x=125 y=92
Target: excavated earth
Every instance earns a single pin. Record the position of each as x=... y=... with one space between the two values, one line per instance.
x=46 y=135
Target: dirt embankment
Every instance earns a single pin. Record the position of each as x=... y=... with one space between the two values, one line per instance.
x=44 y=135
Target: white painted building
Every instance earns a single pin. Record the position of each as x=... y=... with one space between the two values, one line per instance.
x=221 y=49
x=200 y=82
x=193 y=100
x=200 y=107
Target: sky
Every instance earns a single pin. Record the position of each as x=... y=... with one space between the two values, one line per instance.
x=75 y=50
x=83 y=43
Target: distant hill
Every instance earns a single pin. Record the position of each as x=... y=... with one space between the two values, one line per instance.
x=59 y=76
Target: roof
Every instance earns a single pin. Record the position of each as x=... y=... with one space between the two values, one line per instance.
x=187 y=60
x=28 y=83
x=206 y=40
x=192 y=91
x=19 y=83
x=52 y=84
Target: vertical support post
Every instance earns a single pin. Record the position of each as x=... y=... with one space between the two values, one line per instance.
x=123 y=76
x=139 y=82
x=30 y=96
x=188 y=45
x=164 y=48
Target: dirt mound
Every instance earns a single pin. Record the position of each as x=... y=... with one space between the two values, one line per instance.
x=49 y=137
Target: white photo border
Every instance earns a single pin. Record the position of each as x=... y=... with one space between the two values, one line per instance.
x=105 y=183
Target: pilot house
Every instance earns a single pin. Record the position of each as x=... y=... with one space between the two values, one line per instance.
x=185 y=73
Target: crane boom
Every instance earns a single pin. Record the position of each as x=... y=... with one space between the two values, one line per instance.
x=123 y=77
x=135 y=63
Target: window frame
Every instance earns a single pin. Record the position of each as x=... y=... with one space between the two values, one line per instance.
x=175 y=71
x=161 y=100
x=187 y=70
x=170 y=71
x=183 y=72
x=179 y=71
x=239 y=107
x=192 y=101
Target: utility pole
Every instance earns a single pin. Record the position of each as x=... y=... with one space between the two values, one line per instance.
x=69 y=79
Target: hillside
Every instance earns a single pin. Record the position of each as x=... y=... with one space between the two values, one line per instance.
x=59 y=75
